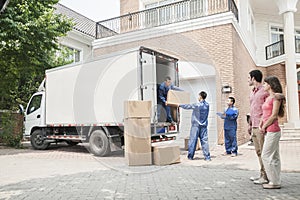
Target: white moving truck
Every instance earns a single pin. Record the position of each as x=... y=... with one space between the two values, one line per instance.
x=84 y=102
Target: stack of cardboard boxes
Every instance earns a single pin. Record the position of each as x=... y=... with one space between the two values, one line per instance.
x=137 y=132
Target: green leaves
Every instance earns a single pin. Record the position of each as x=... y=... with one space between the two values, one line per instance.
x=29 y=31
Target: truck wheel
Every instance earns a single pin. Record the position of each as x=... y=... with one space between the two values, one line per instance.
x=99 y=144
x=37 y=140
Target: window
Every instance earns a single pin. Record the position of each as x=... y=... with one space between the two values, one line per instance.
x=74 y=54
x=277 y=45
x=34 y=104
x=297 y=41
x=276 y=39
x=69 y=54
x=276 y=34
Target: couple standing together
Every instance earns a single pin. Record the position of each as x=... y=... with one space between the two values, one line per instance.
x=266 y=105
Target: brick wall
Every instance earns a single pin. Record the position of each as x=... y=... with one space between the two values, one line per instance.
x=128 y=6
x=243 y=64
x=219 y=46
x=279 y=71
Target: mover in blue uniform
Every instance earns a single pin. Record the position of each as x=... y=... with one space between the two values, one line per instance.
x=163 y=90
x=230 y=125
x=199 y=126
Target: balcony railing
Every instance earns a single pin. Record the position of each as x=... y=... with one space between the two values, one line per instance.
x=277 y=49
x=163 y=15
x=274 y=50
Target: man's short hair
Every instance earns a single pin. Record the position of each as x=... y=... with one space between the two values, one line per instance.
x=167 y=78
x=232 y=100
x=257 y=74
x=203 y=94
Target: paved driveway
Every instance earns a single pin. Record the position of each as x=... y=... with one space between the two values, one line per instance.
x=64 y=172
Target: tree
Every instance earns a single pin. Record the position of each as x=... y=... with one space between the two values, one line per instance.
x=29 y=32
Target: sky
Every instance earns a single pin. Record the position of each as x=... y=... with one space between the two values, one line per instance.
x=96 y=10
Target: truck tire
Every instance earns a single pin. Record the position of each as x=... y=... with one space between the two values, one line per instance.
x=99 y=144
x=37 y=140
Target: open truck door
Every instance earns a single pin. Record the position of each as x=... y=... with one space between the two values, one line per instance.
x=148 y=82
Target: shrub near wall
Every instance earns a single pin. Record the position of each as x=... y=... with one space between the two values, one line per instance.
x=11 y=129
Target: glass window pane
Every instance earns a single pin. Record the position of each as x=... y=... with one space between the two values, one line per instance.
x=34 y=104
x=77 y=56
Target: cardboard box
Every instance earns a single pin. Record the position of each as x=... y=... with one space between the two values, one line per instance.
x=165 y=154
x=186 y=144
x=137 y=138
x=137 y=151
x=178 y=97
x=137 y=109
x=138 y=159
x=137 y=145
x=137 y=127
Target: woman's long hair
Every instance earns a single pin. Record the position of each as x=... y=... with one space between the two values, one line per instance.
x=275 y=85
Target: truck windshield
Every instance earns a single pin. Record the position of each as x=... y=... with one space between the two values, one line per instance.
x=34 y=104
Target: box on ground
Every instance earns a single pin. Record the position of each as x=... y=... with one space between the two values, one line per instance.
x=165 y=154
x=137 y=127
x=138 y=109
x=137 y=150
x=186 y=144
x=137 y=138
x=138 y=159
x=178 y=97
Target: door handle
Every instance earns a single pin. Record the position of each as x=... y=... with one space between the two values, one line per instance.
x=38 y=116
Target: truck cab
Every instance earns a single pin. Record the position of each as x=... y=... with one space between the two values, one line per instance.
x=35 y=113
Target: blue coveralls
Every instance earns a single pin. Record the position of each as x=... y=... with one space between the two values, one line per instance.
x=162 y=98
x=199 y=128
x=230 y=126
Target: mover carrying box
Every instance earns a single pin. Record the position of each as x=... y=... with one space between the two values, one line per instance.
x=137 y=109
x=165 y=154
x=178 y=97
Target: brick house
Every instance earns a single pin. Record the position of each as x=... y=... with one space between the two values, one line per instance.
x=217 y=43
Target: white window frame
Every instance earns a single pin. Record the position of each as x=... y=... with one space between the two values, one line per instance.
x=277 y=32
x=74 y=49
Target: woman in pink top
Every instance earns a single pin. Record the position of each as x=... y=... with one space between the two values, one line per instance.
x=272 y=109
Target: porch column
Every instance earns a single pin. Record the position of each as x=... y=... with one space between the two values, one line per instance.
x=287 y=8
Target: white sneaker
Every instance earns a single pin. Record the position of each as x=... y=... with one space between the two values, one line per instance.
x=252 y=178
x=261 y=181
x=271 y=186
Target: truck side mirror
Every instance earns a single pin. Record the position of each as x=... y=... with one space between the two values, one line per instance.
x=21 y=109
